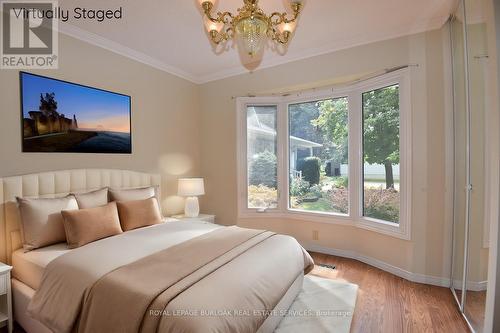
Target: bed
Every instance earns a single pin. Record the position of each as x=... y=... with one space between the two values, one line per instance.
x=171 y=277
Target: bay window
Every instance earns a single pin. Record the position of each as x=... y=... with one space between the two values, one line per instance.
x=339 y=156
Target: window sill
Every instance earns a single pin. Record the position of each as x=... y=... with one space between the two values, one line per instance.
x=381 y=227
x=384 y=227
x=316 y=215
x=331 y=218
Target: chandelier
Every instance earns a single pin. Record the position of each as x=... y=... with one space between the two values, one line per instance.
x=250 y=27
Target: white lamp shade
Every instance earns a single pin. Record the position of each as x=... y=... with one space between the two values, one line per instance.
x=190 y=187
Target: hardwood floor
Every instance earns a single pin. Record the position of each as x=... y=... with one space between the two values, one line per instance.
x=475 y=308
x=387 y=303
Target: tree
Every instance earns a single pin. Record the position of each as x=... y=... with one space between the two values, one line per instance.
x=300 y=124
x=48 y=103
x=332 y=120
x=381 y=129
x=311 y=168
x=301 y=116
x=263 y=170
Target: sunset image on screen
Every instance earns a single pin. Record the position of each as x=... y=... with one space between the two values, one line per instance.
x=59 y=116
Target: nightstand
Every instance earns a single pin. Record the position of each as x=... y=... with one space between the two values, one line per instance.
x=202 y=218
x=5 y=298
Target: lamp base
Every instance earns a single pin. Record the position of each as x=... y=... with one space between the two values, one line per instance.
x=191 y=207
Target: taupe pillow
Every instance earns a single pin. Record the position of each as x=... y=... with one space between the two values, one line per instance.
x=138 y=213
x=133 y=194
x=92 y=199
x=88 y=225
x=42 y=222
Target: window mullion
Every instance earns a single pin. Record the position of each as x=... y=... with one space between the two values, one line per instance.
x=355 y=155
x=241 y=155
x=282 y=157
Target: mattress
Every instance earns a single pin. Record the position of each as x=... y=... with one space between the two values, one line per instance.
x=28 y=267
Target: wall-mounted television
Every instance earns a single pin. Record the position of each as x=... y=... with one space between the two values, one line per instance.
x=64 y=117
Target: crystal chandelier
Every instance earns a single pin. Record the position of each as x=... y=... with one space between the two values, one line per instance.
x=251 y=27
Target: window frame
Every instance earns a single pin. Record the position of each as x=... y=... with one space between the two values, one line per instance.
x=355 y=216
x=403 y=228
x=323 y=95
x=242 y=137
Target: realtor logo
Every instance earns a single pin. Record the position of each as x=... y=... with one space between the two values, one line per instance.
x=29 y=35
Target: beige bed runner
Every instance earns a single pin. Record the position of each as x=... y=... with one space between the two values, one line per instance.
x=151 y=281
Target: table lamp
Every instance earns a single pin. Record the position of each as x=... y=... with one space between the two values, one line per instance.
x=191 y=188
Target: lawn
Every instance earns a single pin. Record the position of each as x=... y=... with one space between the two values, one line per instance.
x=322 y=205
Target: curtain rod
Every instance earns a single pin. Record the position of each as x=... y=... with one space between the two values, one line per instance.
x=344 y=84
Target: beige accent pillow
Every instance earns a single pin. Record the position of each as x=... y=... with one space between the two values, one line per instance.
x=92 y=199
x=42 y=222
x=133 y=194
x=87 y=225
x=138 y=213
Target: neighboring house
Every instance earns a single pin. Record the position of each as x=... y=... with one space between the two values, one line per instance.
x=262 y=136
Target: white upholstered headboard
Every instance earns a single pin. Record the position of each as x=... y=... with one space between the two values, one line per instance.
x=56 y=184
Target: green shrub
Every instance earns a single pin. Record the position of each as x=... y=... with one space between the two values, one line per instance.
x=298 y=187
x=311 y=168
x=313 y=194
x=263 y=169
x=316 y=191
x=341 y=181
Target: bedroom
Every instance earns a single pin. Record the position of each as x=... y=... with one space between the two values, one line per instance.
x=365 y=139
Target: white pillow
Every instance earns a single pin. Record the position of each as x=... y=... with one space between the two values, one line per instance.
x=92 y=199
x=133 y=194
x=42 y=222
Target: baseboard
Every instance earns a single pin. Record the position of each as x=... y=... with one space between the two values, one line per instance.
x=410 y=276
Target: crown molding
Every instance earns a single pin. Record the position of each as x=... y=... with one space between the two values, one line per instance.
x=363 y=39
x=102 y=42
x=272 y=61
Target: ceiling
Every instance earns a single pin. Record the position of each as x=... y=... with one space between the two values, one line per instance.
x=170 y=35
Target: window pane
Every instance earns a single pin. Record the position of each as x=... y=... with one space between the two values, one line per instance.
x=381 y=193
x=261 y=156
x=318 y=141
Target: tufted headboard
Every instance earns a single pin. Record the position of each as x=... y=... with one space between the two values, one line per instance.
x=56 y=184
